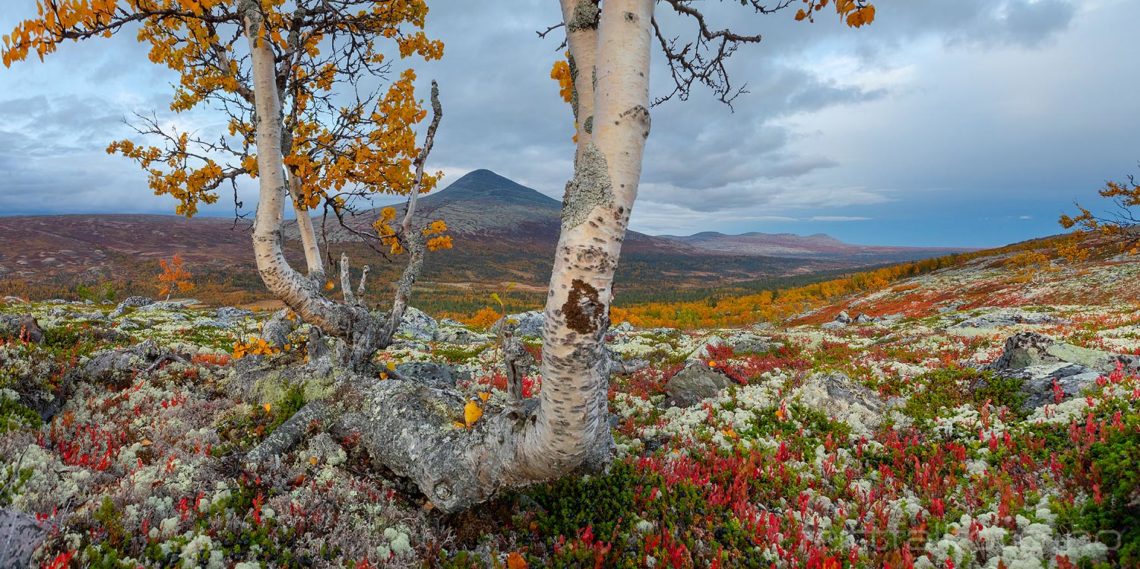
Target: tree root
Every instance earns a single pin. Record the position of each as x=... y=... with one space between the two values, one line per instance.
x=285 y=437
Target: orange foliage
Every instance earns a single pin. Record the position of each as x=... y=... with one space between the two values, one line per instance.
x=174 y=277
x=855 y=13
x=484 y=318
x=329 y=147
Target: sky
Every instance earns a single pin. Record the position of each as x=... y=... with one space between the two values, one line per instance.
x=945 y=123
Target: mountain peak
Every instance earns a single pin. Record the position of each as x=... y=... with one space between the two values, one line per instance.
x=490 y=188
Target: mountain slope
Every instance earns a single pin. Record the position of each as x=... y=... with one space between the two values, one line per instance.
x=503 y=231
x=817 y=246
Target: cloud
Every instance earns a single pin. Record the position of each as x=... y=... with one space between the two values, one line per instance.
x=934 y=109
x=838 y=218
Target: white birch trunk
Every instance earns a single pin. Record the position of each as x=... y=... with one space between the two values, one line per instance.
x=581 y=20
x=313 y=261
x=572 y=420
x=296 y=291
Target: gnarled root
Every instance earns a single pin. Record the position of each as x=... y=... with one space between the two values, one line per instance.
x=410 y=429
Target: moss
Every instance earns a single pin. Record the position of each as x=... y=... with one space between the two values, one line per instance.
x=953 y=386
x=459 y=354
x=1116 y=515
x=12 y=481
x=111 y=519
x=600 y=502
x=14 y=416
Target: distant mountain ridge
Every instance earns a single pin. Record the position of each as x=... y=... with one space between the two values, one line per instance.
x=504 y=232
x=816 y=246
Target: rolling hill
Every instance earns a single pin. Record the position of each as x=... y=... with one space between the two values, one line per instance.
x=504 y=233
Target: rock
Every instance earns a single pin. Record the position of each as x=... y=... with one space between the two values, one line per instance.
x=950 y=306
x=864 y=319
x=1072 y=379
x=20 y=535
x=833 y=325
x=741 y=342
x=167 y=305
x=119 y=366
x=277 y=329
x=418 y=325
x=450 y=322
x=14 y=300
x=528 y=324
x=840 y=397
x=744 y=342
x=30 y=330
x=130 y=302
x=460 y=335
x=617 y=365
x=127 y=324
x=1009 y=317
x=439 y=376
x=1038 y=361
x=701 y=354
x=1022 y=350
x=229 y=313
x=623 y=327
x=23 y=327
x=843 y=317
x=693 y=384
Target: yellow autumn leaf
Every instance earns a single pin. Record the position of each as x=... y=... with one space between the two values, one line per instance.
x=267 y=407
x=471 y=413
x=391 y=366
x=484 y=395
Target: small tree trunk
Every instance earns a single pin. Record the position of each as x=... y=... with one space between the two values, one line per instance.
x=299 y=293
x=308 y=234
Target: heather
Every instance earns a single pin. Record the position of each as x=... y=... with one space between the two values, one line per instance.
x=975 y=415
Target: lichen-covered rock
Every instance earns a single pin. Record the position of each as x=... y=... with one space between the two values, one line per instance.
x=1049 y=368
x=229 y=313
x=701 y=354
x=1009 y=317
x=1022 y=350
x=167 y=305
x=694 y=383
x=277 y=329
x=839 y=397
x=20 y=535
x=527 y=324
x=417 y=325
x=24 y=327
x=440 y=376
x=130 y=302
x=117 y=367
x=460 y=335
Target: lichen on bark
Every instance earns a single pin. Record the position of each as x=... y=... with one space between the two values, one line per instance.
x=585 y=16
x=590 y=187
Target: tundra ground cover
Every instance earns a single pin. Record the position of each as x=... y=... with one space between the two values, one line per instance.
x=886 y=443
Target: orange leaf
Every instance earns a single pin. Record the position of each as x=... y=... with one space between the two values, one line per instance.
x=515 y=561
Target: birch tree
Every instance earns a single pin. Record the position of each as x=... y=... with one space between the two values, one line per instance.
x=405 y=426
x=288 y=77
